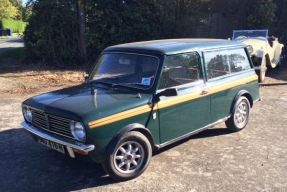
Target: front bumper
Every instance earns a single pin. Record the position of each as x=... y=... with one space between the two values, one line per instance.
x=70 y=145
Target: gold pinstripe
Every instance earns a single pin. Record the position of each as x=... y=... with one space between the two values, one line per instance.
x=168 y=102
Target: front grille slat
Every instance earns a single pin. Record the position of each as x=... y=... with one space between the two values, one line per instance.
x=59 y=128
x=59 y=123
x=40 y=123
x=62 y=132
x=52 y=123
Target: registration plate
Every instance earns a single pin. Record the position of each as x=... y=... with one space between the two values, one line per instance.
x=51 y=144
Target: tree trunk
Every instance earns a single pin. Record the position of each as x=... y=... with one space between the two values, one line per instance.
x=82 y=29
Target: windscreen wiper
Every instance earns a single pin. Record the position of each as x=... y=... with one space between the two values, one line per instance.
x=124 y=84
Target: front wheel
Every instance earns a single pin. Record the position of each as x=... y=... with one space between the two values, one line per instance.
x=240 y=115
x=130 y=157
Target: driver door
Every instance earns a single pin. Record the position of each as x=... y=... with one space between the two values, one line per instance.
x=190 y=109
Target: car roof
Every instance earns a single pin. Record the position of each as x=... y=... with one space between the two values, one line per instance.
x=173 y=46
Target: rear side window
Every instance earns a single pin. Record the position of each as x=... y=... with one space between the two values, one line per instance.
x=223 y=62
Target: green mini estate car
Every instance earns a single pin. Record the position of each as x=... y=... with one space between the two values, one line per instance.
x=142 y=96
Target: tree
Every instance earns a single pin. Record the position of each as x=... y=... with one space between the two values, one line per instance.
x=82 y=28
x=7 y=10
x=263 y=14
x=51 y=35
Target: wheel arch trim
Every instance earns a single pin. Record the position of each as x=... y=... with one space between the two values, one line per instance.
x=131 y=127
x=239 y=94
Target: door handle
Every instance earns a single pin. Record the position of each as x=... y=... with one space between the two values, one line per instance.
x=204 y=92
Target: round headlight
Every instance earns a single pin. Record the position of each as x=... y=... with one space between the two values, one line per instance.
x=249 y=49
x=78 y=131
x=27 y=114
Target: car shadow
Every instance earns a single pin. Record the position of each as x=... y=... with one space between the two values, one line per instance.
x=214 y=132
x=28 y=166
x=278 y=73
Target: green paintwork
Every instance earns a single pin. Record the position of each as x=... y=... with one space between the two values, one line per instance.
x=183 y=118
x=173 y=46
x=221 y=102
x=90 y=102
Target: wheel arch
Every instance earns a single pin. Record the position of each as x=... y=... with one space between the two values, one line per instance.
x=244 y=93
x=131 y=127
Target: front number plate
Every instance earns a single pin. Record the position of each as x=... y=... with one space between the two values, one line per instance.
x=51 y=144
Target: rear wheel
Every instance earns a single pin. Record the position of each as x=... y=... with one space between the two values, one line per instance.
x=240 y=115
x=130 y=157
x=280 y=61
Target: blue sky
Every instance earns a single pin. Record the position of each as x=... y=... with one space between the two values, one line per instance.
x=24 y=1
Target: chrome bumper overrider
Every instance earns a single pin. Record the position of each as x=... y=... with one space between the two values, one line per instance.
x=70 y=145
x=259 y=68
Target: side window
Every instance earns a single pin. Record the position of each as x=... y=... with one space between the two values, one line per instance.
x=219 y=63
x=180 y=69
x=238 y=60
x=216 y=63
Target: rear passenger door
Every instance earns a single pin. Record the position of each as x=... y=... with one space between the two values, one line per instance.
x=227 y=72
x=189 y=111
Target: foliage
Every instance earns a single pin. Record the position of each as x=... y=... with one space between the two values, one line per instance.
x=17 y=53
x=113 y=22
x=53 y=31
x=7 y=10
x=263 y=15
x=51 y=35
x=26 y=10
x=16 y=26
x=19 y=6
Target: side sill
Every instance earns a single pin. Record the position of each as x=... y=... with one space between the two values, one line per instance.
x=192 y=133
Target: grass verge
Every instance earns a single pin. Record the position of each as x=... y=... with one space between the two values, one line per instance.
x=17 y=53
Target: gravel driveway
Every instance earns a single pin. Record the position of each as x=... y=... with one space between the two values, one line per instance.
x=254 y=159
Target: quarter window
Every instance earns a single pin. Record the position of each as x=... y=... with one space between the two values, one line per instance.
x=219 y=63
x=180 y=69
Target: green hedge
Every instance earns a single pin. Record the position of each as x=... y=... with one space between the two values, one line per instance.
x=16 y=26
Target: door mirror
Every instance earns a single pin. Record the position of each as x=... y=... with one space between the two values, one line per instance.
x=167 y=93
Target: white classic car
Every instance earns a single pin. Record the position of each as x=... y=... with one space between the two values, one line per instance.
x=264 y=50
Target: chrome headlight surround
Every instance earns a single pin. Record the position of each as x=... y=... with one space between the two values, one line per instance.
x=78 y=131
x=28 y=115
x=249 y=49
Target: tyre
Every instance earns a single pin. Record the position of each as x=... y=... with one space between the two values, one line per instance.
x=240 y=115
x=278 y=66
x=130 y=157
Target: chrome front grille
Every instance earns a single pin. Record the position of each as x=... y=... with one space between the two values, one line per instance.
x=52 y=123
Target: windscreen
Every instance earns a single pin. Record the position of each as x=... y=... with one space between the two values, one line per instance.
x=122 y=69
x=249 y=33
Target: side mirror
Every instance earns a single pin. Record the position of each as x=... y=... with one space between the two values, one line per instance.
x=167 y=93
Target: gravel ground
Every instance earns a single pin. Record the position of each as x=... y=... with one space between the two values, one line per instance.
x=254 y=159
